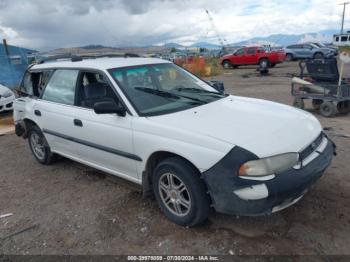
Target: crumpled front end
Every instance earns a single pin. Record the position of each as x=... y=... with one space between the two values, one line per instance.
x=233 y=194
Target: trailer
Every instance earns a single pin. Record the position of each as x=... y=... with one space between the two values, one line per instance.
x=330 y=93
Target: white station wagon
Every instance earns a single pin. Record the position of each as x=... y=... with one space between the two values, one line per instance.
x=155 y=124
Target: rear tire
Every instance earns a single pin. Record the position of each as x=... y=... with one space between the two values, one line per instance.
x=328 y=109
x=39 y=146
x=343 y=107
x=299 y=103
x=264 y=63
x=180 y=193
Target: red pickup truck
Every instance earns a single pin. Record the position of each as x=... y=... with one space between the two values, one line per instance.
x=253 y=55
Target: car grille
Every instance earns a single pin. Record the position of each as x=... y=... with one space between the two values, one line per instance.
x=312 y=147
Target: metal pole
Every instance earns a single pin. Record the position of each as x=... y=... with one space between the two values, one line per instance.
x=7 y=52
x=342 y=21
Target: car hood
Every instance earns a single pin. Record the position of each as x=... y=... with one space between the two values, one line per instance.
x=326 y=49
x=3 y=89
x=265 y=128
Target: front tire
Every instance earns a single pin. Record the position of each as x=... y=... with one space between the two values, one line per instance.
x=39 y=146
x=328 y=109
x=226 y=64
x=289 y=57
x=318 y=56
x=180 y=193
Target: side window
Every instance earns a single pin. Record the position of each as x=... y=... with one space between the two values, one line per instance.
x=337 y=39
x=251 y=51
x=93 y=88
x=35 y=82
x=61 y=87
x=344 y=38
x=240 y=51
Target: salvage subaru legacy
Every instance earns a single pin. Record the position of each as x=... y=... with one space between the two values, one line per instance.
x=153 y=123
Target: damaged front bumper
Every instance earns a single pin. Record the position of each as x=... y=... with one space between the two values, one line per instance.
x=232 y=194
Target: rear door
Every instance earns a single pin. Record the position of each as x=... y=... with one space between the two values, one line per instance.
x=55 y=111
x=298 y=51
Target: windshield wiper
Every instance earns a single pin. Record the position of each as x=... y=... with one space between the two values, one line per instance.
x=167 y=94
x=197 y=90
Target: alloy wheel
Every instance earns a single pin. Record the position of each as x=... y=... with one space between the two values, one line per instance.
x=174 y=194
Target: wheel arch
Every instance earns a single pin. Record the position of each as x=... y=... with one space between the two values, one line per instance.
x=26 y=124
x=152 y=161
x=264 y=58
x=318 y=53
x=225 y=60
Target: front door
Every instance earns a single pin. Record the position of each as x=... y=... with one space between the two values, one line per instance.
x=250 y=56
x=105 y=141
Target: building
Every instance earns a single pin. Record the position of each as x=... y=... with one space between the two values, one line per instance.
x=342 y=39
x=14 y=63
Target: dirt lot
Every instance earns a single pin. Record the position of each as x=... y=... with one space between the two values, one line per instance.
x=68 y=208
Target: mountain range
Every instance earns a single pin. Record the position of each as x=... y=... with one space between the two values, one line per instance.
x=324 y=36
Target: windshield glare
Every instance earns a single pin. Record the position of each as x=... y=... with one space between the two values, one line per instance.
x=162 y=88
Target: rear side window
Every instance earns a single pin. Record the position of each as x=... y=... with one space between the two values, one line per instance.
x=61 y=87
x=35 y=82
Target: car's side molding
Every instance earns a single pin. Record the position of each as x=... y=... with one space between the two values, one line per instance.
x=93 y=145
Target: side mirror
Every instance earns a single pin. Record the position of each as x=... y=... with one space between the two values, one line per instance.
x=218 y=85
x=109 y=107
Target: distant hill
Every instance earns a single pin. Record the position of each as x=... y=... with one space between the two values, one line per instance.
x=324 y=36
x=205 y=45
x=173 y=45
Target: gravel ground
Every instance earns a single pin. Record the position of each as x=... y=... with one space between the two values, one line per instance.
x=67 y=208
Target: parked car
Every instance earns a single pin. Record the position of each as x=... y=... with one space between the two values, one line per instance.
x=321 y=45
x=6 y=99
x=253 y=55
x=151 y=122
x=308 y=50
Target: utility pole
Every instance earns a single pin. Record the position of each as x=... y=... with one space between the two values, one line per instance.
x=342 y=21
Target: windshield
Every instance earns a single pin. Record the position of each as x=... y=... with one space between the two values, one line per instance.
x=319 y=44
x=162 y=88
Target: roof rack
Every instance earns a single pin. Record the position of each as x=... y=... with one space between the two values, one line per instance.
x=77 y=58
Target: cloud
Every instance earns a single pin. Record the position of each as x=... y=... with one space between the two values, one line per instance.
x=43 y=24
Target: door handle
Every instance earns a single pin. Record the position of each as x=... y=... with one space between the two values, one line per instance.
x=37 y=113
x=78 y=122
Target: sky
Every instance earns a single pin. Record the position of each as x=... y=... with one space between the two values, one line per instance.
x=49 y=24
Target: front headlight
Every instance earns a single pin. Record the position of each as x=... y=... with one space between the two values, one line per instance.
x=269 y=165
x=7 y=94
